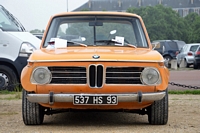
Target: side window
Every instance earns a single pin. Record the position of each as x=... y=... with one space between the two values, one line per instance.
x=173 y=45
x=159 y=46
x=184 y=48
x=193 y=48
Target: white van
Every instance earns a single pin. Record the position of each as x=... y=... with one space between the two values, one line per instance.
x=16 y=45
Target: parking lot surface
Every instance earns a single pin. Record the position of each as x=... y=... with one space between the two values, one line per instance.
x=184 y=115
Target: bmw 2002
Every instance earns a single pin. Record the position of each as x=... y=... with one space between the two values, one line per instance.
x=95 y=61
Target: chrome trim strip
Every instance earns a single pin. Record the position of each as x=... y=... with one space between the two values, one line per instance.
x=68 y=77
x=65 y=72
x=44 y=98
x=123 y=72
x=96 y=60
x=123 y=77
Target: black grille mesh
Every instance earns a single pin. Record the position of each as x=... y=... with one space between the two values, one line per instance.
x=123 y=75
x=68 y=75
x=78 y=75
x=96 y=76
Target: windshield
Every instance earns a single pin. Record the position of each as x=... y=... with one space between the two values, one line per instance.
x=8 y=22
x=97 y=31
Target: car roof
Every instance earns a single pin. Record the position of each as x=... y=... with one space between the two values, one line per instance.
x=96 y=13
x=168 y=41
x=193 y=44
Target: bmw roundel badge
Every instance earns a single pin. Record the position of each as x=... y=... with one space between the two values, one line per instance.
x=96 y=56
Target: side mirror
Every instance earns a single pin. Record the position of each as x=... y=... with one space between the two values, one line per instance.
x=155 y=45
x=163 y=49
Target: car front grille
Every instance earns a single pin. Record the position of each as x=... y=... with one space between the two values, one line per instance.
x=95 y=75
x=123 y=75
x=68 y=75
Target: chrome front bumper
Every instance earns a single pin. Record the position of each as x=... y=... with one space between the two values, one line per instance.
x=136 y=97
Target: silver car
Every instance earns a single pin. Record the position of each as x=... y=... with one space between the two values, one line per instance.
x=187 y=54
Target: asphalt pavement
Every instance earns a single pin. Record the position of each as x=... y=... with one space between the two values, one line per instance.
x=188 y=77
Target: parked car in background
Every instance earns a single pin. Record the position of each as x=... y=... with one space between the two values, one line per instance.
x=95 y=61
x=16 y=45
x=197 y=58
x=186 y=54
x=38 y=35
x=169 y=48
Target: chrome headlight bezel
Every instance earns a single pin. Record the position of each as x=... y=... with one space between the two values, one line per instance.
x=154 y=72
x=26 y=49
x=47 y=76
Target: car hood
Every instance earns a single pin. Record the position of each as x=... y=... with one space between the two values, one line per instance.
x=96 y=54
x=27 y=37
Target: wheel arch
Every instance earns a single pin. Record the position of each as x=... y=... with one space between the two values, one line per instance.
x=167 y=55
x=10 y=64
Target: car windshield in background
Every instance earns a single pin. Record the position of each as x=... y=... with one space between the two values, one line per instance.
x=8 y=22
x=97 y=31
x=180 y=44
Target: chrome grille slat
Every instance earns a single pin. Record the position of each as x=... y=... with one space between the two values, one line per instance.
x=65 y=72
x=123 y=77
x=68 y=77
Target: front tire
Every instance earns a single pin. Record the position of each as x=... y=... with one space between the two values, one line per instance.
x=33 y=113
x=186 y=65
x=8 y=78
x=195 y=65
x=158 y=111
x=167 y=61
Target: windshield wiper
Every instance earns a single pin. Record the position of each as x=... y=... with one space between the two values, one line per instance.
x=115 y=41
x=52 y=42
x=131 y=45
x=81 y=44
x=108 y=41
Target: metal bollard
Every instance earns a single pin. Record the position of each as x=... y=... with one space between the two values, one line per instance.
x=174 y=64
x=182 y=63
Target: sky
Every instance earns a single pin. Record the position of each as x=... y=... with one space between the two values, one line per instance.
x=35 y=14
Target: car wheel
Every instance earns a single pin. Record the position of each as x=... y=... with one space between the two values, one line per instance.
x=8 y=78
x=178 y=65
x=186 y=64
x=158 y=111
x=167 y=61
x=195 y=65
x=33 y=113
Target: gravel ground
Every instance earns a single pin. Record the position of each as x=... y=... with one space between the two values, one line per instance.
x=184 y=116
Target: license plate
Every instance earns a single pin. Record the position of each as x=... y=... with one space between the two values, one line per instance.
x=95 y=100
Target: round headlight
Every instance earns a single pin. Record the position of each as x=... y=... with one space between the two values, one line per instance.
x=41 y=75
x=150 y=76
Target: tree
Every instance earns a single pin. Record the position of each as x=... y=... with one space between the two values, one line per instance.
x=162 y=23
x=193 y=19
x=36 y=31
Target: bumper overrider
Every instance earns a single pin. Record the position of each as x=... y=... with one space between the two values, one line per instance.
x=51 y=98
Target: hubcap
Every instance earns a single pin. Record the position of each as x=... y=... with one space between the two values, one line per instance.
x=3 y=80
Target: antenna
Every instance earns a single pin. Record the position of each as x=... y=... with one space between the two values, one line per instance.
x=67 y=5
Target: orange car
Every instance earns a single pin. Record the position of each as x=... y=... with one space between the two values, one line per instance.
x=95 y=61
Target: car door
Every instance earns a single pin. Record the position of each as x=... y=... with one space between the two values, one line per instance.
x=181 y=55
